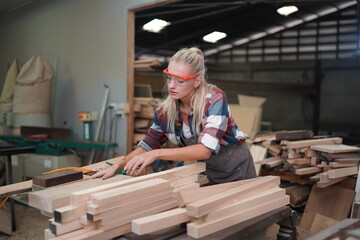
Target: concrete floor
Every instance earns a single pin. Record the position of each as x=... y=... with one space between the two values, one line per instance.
x=30 y=224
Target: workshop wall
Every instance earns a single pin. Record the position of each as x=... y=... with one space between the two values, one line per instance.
x=84 y=41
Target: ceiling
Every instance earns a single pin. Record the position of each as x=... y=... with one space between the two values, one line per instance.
x=191 y=20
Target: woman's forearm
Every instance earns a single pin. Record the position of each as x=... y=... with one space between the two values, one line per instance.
x=189 y=153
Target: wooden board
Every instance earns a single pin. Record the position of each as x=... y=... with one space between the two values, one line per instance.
x=308 y=170
x=321 y=222
x=159 y=221
x=171 y=174
x=59 y=196
x=294 y=135
x=191 y=195
x=130 y=191
x=15 y=188
x=308 y=143
x=204 y=206
x=57 y=178
x=336 y=148
x=198 y=229
x=342 y=172
x=323 y=200
x=258 y=153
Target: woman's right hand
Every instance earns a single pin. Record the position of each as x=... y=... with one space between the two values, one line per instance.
x=106 y=173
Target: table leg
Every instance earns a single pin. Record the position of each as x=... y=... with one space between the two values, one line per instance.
x=10 y=181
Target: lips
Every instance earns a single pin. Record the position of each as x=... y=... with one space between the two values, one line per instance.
x=172 y=92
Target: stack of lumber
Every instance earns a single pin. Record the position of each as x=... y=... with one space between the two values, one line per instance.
x=146 y=65
x=306 y=155
x=104 y=211
x=144 y=109
x=213 y=208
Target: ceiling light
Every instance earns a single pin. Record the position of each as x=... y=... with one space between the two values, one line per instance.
x=214 y=37
x=155 y=25
x=287 y=10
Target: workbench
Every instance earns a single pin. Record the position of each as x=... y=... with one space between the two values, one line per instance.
x=249 y=229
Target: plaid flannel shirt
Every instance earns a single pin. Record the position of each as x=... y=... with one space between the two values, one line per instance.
x=218 y=127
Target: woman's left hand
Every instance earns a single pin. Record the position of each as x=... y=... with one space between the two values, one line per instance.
x=138 y=163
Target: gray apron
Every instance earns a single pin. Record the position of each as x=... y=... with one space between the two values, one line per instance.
x=232 y=163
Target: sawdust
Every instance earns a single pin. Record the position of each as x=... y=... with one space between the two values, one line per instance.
x=30 y=224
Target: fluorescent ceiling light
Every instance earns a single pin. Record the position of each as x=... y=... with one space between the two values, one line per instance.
x=287 y=10
x=214 y=37
x=155 y=25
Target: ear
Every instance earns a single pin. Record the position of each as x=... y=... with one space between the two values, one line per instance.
x=198 y=81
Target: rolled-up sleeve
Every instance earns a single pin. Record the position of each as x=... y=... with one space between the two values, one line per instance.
x=215 y=122
x=155 y=137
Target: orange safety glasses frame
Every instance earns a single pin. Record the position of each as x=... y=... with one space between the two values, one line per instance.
x=182 y=77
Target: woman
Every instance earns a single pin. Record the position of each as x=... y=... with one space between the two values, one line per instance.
x=196 y=117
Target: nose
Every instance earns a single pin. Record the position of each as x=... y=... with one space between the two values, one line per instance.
x=171 y=83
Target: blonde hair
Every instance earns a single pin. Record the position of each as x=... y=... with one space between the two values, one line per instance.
x=195 y=58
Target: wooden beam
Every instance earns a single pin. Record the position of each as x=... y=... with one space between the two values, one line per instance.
x=308 y=170
x=127 y=192
x=171 y=174
x=187 y=196
x=204 y=206
x=10 y=189
x=308 y=143
x=159 y=221
x=198 y=229
x=57 y=178
x=336 y=148
x=109 y=223
x=342 y=172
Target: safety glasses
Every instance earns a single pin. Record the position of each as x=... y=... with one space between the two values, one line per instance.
x=179 y=80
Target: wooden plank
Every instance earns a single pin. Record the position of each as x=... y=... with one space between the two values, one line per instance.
x=246 y=203
x=344 y=164
x=323 y=200
x=294 y=135
x=110 y=223
x=294 y=155
x=60 y=229
x=171 y=174
x=342 y=172
x=308 y=143
x=191 y=195
x=274 y=163
x=265 y=136
x=308 y=170
x=184 y=181
x=298 y=193
x=10 y=189
x=309 y=153
x=273 y=148
x=97 y=234
x=68 y=213
x=201 y=207
x=57 y=178
x=335 y=148
x=321 y=222
x=266 y=160
x=198 y=229
x=159 y=221
x=126 y=204
x=130 y=191
x=299 y=161
x=59 y=196
x=124 y=212
x=73 y=234
x=258 y=153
